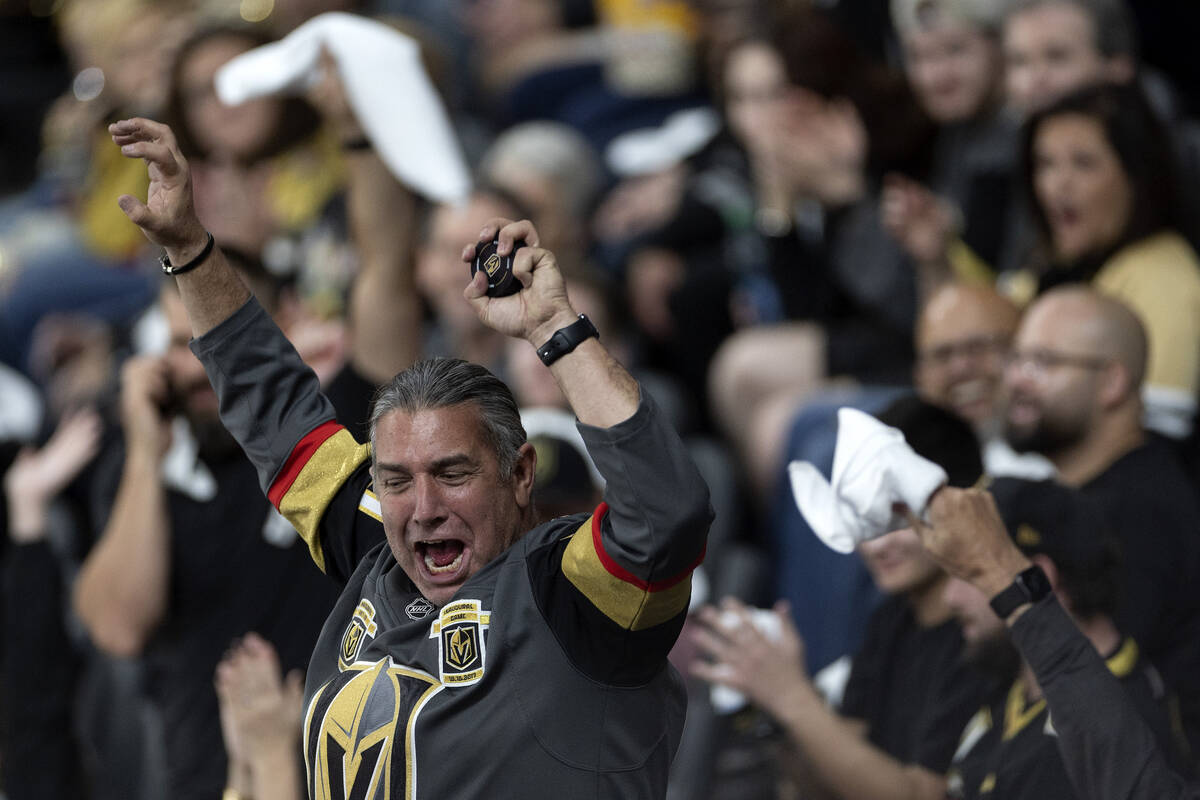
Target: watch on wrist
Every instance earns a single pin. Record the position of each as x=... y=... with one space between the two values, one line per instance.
x=1029 y=586
x=567 y=339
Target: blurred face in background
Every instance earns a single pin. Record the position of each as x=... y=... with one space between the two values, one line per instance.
x=228 y=132
x=970 y=607
x=189 y=384
x=755 y=84
x=531 y=381
x=441 y=274
x=1050 y=51
x=500 y=25
x=1080 y=184
x=191 y=393
x=898 y=563
x=1053 y=377
x=962 y=342
x=954 y=69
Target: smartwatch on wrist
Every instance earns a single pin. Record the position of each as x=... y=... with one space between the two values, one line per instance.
x=567 y=339
x=1029 y=586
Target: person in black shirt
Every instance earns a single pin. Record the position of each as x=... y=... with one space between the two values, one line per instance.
x=909 y=692
x=908 y=683
x=1107 y=747
x=190 y=557
x=1073 y=384
x=1009 y=749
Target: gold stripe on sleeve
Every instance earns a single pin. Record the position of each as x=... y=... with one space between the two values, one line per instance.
x=320 y=479
x=632 y=605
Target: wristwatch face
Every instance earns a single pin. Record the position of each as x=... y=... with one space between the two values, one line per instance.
x=1029 y=586
x=1036 y=584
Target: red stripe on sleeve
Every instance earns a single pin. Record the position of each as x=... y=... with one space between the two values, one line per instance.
x=301 y=453
x=617 y=571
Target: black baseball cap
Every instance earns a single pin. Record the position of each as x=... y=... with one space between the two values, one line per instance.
x=563 y=478
x=938 y=435
x=1068 y=527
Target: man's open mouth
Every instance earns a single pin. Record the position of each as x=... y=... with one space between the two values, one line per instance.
x=441 y=556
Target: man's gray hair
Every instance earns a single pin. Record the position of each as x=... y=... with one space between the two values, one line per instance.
x=443 y=382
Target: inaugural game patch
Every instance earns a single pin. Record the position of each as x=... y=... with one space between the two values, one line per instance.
x=462 y=648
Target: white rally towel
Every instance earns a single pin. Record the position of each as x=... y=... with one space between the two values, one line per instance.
x=874 y=469
x=385 y=83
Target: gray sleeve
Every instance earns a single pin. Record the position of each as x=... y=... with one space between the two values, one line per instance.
x=658 y=506
x=269 y=397
x=1109 y=751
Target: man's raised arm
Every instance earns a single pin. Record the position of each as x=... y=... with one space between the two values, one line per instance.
x=211 y=291
x=636 y=553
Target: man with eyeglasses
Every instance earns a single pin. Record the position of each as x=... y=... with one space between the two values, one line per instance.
x=1073 y=385
x=963 y=335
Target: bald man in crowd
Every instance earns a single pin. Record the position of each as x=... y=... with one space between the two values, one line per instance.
x=962 y=339
x=1073 y=384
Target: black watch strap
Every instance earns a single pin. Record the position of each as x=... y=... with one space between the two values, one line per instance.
x=567 y=339
x=171 y=269
x=1029 y=586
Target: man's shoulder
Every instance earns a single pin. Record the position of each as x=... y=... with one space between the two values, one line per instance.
x=1150 y=471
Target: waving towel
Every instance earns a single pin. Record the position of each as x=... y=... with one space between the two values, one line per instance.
x=385 y=83
x=874 y=469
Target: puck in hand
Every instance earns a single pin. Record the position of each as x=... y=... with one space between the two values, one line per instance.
x=498 y=268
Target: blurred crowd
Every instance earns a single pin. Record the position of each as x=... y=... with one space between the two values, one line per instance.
x=977 y=218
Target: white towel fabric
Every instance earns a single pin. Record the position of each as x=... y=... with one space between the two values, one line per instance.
x=873 y=470
x=724 y=699
x=650 y=150
x=385 y=83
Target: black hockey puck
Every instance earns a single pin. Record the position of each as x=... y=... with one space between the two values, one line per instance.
x=498 y=268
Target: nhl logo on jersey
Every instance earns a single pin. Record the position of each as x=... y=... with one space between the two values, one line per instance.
x=362 y=626
x=462 y=648
x=419 y=608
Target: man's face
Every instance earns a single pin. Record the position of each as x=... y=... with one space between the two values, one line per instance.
x=1052 y=380
x=898 y=563
x=1050 y=51
x=980 y=625
x=441 y=274
x=192 y=394
x=952 y=67
x=447 y=509
x=962 y=341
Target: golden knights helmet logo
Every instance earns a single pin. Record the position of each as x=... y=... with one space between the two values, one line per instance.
x=461 y=644
x=491 y=265
x=359 y=732
x=362 y=627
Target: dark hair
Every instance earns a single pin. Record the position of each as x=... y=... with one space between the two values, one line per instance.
x=298 y=119
x=939 y=435
x=1140 y=140
x=819 y=56
x=443 y=382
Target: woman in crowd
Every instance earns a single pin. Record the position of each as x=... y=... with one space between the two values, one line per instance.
x=261 y=168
